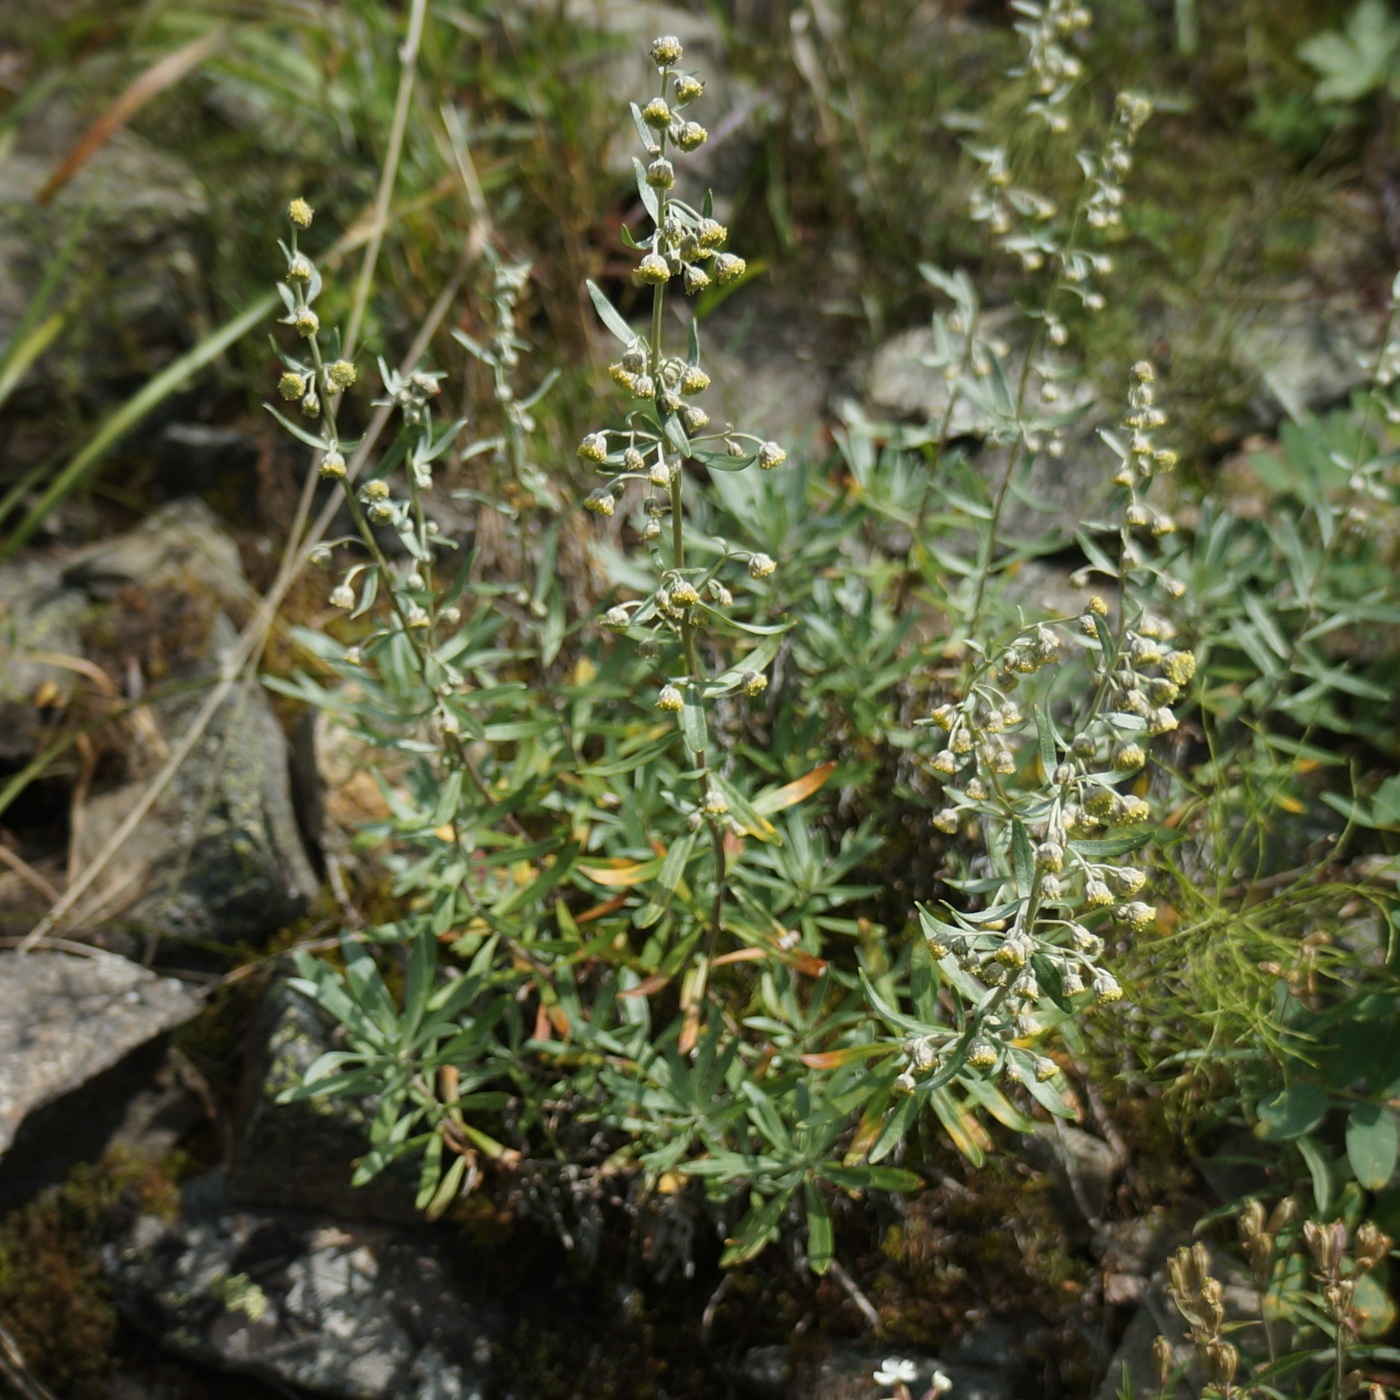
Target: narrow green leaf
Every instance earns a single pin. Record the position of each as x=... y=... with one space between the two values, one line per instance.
x=610 y=315
x=1320 y=1169
x=693 y=729
x=821 y=1238
x=171 y=378
x=648 y=195
x=668 y=878
x=1022 y=858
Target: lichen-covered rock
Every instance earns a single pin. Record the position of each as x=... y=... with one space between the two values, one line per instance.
x=219 y=858
x=41 y=622
x=300 y=1155
x=64 y=1019
x=354 y=1312
x=136 y=263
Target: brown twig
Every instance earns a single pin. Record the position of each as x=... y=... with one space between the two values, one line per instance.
x=154 y=80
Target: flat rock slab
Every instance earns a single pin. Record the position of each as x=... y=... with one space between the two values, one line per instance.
x=64 y=1019
x=355 y=1312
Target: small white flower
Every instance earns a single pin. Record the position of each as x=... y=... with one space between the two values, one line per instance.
x=895 y=1370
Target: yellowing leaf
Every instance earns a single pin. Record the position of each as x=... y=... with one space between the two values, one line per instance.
x=620 y=873
x=794 y=792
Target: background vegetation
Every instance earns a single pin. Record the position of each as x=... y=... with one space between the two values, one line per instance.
x=753 y=964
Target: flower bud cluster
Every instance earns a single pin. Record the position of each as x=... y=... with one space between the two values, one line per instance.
x=1052 y=796
x=1053 y=70
x=1017 y=214
x=665 y=425
x=315 y=380
x=1281 y=1256
x=1022 y=220
x=501 y=354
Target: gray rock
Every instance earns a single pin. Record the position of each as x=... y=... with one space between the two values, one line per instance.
x=1082 y=1166
x=773 y=366
x=41 y=625
x=764 y=1373
x=1304 y=350
x=902 y=383
x=137 y=263
x=180 y=546
x=300 y=1155
x=64 y=1019
x=353 y=1312
x=219 y=857
x=1134 y=1363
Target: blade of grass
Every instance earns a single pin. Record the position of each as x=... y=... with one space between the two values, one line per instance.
x=31 y=337
x=171 y=378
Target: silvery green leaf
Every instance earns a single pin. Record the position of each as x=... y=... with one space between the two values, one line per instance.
x=648 y=195
x=611 y=317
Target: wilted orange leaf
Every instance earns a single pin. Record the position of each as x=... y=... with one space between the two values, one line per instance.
x=599 y=911
x=795 y=791
x=645 y=988
x=742 y=955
